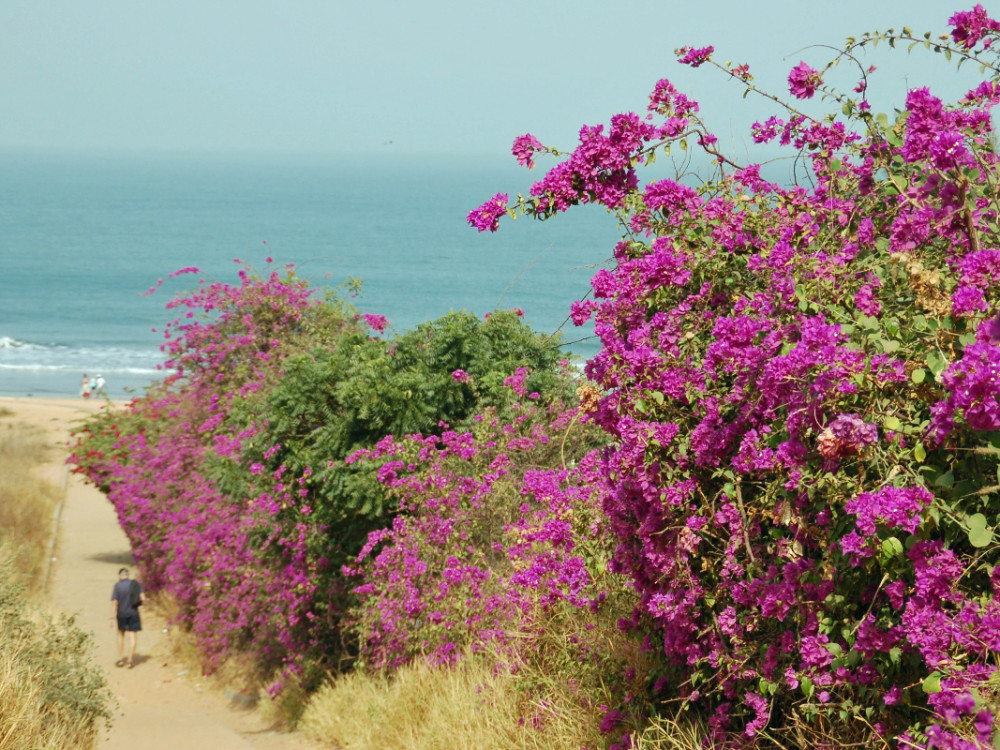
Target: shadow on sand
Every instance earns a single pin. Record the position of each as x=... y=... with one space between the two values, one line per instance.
x=115 y=558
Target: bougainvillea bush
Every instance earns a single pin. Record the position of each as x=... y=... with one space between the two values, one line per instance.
x=484 y=543
x=241 y=580
x=500 y=555
x=802 y=385
x=229 y=478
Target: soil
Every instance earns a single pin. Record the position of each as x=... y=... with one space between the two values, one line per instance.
x=162 y=703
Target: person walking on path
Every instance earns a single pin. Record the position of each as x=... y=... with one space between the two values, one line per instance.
x=126 y=598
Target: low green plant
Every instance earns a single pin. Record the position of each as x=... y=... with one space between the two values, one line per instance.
x=51 y=695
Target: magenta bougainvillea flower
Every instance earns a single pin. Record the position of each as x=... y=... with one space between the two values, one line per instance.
x=847 y=434
x=694 y=56
x=377 y=323
x=803 y=81
x=487 y=216
x=971 y=26
x=524 y=148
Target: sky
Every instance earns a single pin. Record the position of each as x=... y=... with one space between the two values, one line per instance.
x=440 y=77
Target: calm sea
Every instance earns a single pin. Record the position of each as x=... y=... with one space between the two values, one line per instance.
x=82 y=237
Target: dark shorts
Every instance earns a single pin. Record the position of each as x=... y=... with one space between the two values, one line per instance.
x=131 y=622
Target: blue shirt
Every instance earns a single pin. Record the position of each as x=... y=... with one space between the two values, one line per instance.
x=122 y=593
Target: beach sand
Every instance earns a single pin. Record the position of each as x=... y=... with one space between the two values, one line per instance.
x=161 y=704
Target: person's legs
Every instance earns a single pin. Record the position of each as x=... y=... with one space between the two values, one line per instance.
x=133 y=638
x=121 y=645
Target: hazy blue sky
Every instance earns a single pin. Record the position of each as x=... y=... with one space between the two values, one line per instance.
x=423 y=76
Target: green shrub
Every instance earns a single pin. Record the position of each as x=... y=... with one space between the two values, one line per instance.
x=51 y=695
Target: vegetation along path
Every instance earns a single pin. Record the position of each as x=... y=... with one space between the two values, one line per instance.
x=161 y=704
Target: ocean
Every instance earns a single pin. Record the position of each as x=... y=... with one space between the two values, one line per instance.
x=82 y=237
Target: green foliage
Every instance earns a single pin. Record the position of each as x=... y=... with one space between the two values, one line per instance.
x=48 y=664
x=334 y=400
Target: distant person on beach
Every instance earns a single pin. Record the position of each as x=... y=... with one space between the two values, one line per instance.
x=85 y=387
x=99 y=384
x=126 y=598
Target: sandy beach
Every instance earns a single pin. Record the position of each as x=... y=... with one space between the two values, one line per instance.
x=161 y=704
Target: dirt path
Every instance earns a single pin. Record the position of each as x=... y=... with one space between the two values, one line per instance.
x=161 y=705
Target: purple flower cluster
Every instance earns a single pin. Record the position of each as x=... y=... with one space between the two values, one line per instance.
x=973 y=389
x=972 y=26
x=694 y=56
x=487 y=216
x=803 y=81
x=846 y=435
x=378 y=323
x=524 y=149
x=450 y=574
x=790 y=557
x=891 y=508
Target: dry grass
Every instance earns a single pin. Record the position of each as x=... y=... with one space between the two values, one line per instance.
x=664 y=733
x=26 y=502
x=27 y=721
x=51 y=697
x=471 y=705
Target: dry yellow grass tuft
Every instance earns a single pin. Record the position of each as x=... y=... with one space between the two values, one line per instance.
x=26 y=502
x=469 y=705
x=27 y=720
x=51 y=697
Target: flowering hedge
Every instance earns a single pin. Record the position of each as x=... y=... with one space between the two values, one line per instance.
x=242 y=581
x=803 y=389
x=229 y=478
x=490 y=536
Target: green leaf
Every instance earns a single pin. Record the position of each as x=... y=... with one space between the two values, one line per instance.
x=932 y=683
x=979 y=533
x=919 y=375
x=892 y=423
x=946 y=480
x=935 y=362
x=919 y=452
x=891 y=548
x=807 y=687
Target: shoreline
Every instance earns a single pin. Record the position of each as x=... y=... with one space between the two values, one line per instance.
x=61 y=385
x=25 y=403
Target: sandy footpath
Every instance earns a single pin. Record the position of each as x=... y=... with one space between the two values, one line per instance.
x=160 y=704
